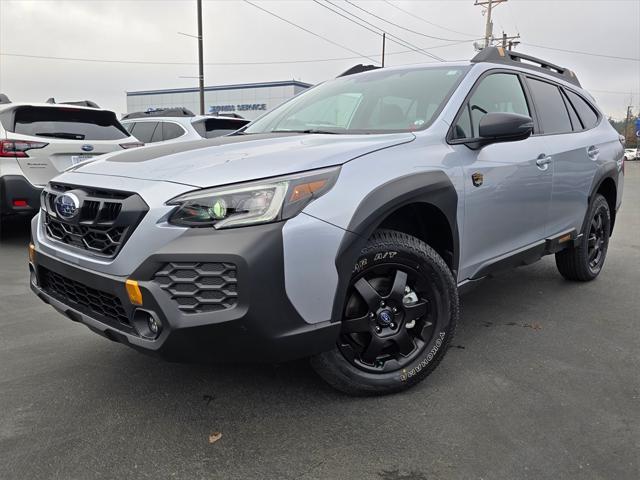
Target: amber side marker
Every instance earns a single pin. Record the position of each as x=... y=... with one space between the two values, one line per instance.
x=566 y=238
x=32 y=253
x=133 y=290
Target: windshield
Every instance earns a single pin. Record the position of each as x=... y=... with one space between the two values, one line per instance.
x=382 y=101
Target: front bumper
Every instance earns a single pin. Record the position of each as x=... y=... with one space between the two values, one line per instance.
x=15 y=187
x=262 y=325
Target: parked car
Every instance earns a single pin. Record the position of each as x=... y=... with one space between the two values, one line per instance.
x=340 y=226
x=178 y=125
x=631 y=154
x=40 y=140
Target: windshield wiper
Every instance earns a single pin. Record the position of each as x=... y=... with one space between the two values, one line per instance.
x=309 y=130
x=70 y=136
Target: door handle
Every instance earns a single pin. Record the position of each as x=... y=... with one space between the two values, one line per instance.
x=543 y=161
x=593 y=152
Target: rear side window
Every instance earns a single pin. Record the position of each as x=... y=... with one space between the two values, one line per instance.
x=588 y=117
x=129 y=126
x=215 y=127
x=550 y=107
x=143 y=131
x=575 y=121
x=171 y=130
x=68 y=123
x=498 y=92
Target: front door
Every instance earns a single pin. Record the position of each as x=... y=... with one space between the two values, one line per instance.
x=507 y=185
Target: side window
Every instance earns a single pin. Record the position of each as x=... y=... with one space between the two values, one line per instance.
x=575 y=121
x=143 y=131
x=171 y=130
x=157 y=133
x=499 y=92
x=585 y=112
x=550 y=107
x=129 y=126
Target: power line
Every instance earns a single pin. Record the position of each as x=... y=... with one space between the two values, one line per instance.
x=308 y=31
x=404 y=28
x=632 y=59
x=392 y=37
x=427 y=21
x=222 y=64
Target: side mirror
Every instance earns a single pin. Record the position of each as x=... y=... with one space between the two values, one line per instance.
x=504 y=127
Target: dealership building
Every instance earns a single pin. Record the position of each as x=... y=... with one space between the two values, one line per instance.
x=249 y=100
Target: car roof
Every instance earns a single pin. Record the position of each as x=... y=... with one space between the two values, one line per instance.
x=195 y=118
x=7 y=106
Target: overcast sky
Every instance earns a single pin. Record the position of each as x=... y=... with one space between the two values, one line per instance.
x=138 y=31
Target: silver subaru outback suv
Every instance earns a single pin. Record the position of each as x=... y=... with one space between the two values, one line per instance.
x=340 y=226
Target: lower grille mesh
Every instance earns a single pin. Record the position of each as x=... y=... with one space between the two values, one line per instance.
x=88 y=300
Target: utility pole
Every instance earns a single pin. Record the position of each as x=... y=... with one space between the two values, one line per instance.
x=384 y=37
x=626 y=123
x=509 y=43
x=488 y=31
x=200 y=58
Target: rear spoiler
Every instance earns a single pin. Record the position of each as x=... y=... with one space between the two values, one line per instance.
x=358 y=69
x=4 y=99
x=79 y=103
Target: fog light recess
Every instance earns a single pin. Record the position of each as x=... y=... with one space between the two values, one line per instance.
x=147 y=324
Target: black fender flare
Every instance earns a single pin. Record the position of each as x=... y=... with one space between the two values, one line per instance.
x=609 y=170
x=434 y=188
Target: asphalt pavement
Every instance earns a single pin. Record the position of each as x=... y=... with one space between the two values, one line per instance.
x=542 y=382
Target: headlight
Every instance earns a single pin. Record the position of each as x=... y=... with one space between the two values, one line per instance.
x=252 y=203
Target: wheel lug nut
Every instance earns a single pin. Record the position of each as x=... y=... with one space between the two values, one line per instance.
x=382 y=303
x=392 y=325
x=372 y=315
x=394 y=310
x=378 y=329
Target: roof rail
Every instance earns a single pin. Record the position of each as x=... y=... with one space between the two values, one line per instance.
x=508 y=57
x=358 y=69
x=4 y=99
x=160 y=112
x=79 y=103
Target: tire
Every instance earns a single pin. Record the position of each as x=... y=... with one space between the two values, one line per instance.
x=584 y=262
x=392 y=341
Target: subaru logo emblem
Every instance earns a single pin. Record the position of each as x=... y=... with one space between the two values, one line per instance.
x=385 y=317
x=67 y=205
x=87 y=148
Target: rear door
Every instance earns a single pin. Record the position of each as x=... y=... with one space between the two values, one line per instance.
x=71 y=135
x=573 y=159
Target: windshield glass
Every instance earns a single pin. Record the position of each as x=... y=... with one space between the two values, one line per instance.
x=381 y=101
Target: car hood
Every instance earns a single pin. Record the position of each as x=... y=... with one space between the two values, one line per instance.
x=205 y=163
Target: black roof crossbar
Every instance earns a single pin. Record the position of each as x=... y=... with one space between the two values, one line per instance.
x=160 y=112
x=358 y=69
x=4 y=99
x=508 y=57
x=79 y=103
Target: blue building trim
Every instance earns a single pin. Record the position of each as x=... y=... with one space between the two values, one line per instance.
x=240 y=86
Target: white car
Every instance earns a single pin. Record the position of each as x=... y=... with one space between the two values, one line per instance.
x=40 y=140
x=178 y=125
x=631 y=154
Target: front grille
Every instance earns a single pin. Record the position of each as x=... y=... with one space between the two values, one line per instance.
x=101 y=240
x=87 y=300
x=104 y=222
x=200 y=287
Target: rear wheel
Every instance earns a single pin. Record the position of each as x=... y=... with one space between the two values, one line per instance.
x=584 y=262
x=400 y=315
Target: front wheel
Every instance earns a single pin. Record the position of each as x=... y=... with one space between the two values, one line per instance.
x=400 y=315
x=583 y=262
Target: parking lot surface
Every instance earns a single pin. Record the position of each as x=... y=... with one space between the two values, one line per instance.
x=542 y=381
